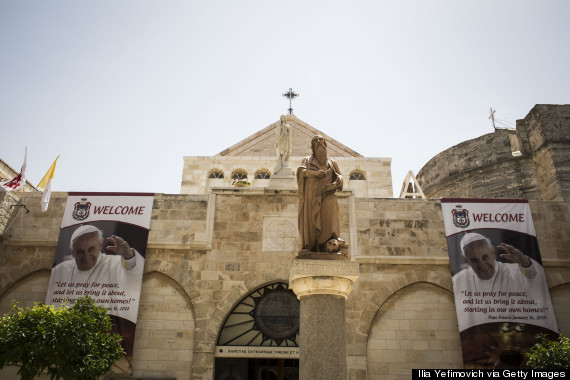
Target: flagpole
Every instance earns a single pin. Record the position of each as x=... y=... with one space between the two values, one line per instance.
x=19 y=180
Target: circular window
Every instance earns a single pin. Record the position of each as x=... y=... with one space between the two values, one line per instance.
x=276 y=314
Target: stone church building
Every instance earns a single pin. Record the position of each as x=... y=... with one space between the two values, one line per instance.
x=219 y=256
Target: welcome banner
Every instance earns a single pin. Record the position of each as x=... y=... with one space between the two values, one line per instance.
x=501 y=297
x=101 y=253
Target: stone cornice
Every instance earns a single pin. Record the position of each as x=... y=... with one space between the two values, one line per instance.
x=419 y=260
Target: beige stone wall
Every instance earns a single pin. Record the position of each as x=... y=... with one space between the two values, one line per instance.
x=549 y=219
x=415 y=328
x=164 y=339
x=544 y=132
x=207 y=252
x=405 y=228
x=377 y=171
x=561 y=304
x=179 y=220
x=7 y=215
x=195 y=173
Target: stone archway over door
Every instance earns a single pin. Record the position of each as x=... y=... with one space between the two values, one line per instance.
x=258 y=339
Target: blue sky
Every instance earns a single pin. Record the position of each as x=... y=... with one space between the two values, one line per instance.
x=123 y=89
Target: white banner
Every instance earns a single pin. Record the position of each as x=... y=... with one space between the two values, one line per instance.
x=101 y=253
x=470 y=214
x=501 y=297
x=130 y=208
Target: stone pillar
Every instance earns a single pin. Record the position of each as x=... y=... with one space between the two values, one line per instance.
x=322 y=286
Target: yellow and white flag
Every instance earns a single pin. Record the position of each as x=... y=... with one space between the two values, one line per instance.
x=45 y=184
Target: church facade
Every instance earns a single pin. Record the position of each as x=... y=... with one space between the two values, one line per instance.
x=219 y=259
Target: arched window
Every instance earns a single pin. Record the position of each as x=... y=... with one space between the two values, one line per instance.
x=357 y=175
x=262 y=174
x=239 y=174
x=269 y=316
x=216 y=173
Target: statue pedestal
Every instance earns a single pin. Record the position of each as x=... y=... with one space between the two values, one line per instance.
x=306 y=254
x=322 y=286
x=282 y=179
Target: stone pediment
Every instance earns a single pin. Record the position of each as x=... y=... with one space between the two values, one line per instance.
x=262 y=143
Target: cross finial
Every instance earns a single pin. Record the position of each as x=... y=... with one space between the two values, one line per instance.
x=492 y=117
x=291 y=95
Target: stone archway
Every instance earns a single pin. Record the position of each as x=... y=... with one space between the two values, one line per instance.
x=359 y=330
x=386 y=289
x=165 y=333
x=29 y=289
x=560 y=296
x=258 y=338
x=559 y=288
x=416 y=327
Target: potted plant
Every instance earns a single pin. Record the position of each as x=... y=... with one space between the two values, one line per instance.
x=241 y=182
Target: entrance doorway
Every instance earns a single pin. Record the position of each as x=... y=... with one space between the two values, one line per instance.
x=256 y=369
x=258 y=339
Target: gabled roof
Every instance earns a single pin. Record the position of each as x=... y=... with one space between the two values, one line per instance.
x=262 y=143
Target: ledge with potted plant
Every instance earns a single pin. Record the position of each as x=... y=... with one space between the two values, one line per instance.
x=241 y=182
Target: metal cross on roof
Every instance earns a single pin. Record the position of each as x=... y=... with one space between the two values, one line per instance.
x=492 y=116
x=291 y=95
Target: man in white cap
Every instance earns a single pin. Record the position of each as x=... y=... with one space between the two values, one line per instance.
x=94 y=273
x=522 y=279
x=479 y=254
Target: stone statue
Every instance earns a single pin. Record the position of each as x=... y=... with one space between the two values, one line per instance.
x=318 y=179
x=283 y=143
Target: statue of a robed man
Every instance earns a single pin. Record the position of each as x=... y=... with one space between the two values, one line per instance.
x=283 y=143
x=318 y=179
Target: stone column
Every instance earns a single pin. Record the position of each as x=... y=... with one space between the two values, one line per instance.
x=322 y=286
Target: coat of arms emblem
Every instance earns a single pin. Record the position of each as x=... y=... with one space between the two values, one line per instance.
x=81 y=210
x=460 y=217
